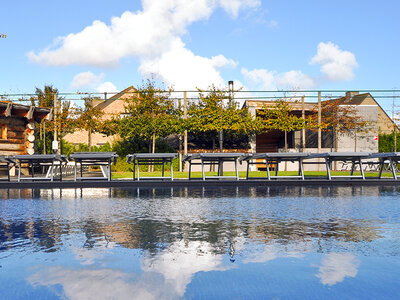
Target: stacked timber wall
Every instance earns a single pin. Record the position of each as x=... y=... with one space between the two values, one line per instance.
x=17 y=136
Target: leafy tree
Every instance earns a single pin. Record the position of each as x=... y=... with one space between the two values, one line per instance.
x=88 y=118
x=149 y=114
x=216 y=111
x=45 y=98
x=386 y=142
x=340 y=118
x=280 y=116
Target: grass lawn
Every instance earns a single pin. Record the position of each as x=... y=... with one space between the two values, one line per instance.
x=117 y=175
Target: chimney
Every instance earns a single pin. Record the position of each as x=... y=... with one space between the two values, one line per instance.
x=351 y=94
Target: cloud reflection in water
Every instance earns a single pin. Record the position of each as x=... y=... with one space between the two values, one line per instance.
x=336 y=266
x=165 y=276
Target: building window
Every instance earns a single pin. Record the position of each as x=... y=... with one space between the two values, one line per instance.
x=3 y=133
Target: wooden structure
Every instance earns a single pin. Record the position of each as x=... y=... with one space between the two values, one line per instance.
x=17 y=127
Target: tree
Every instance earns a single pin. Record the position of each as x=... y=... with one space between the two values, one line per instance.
x=45 y=98
x=216 y=110
x=88 y=118
x=280 y=116
x=149 y=114
x=340 y=118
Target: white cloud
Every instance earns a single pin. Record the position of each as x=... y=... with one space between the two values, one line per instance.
x=107 y=87
x=294 y=80
x=273 y=24
x=336 y=266
x=271 y=80
x=234 y=6
x=183 y=69
x=335 y=63
x=262 y=77
x=153 y=35
x=86 y=79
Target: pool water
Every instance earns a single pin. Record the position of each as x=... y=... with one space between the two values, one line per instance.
x=200 y=243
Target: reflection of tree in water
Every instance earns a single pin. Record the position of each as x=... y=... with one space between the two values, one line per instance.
x=155 y=235
x=41 y=235
x=346 y=230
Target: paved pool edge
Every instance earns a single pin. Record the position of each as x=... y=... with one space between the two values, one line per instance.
x=194 y=183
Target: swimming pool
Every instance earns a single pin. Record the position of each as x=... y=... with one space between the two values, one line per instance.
x=200 y=243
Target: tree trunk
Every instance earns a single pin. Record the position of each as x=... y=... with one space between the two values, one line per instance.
x=286 y=148
x=149 y=166
x=153 y=150
x=180 y=153
x=212 y=166
x=90 y=140
x=154 y=143
x=336 y=147
x=221 y=141
x=286 y=143
x=355 y=140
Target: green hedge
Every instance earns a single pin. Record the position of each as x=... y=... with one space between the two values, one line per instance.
x=386 y=142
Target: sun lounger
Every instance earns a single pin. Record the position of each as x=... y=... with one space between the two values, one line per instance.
x=145 y=159
x=212 y=158
x=102 y=159
x=392 y=158
x=5 y=162
x=355 y=158
x=39 y=160
x=269 y=159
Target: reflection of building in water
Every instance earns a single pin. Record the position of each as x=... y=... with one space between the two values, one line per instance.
x=295 y=230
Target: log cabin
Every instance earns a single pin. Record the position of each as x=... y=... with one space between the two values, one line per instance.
x=17 y=127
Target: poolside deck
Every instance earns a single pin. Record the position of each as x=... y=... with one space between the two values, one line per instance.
x=13 y=184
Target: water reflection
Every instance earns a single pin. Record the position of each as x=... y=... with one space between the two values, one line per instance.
x=202 y=192
x=336 y=266
x=163 y=243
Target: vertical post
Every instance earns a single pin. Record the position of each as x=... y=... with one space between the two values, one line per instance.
x=185 y=149
x=394 y=127
x=44 y=136
x=55 y=143
x=303 y=131
x=59 y=128
x=319 y=122
x=88 y=105
x=180 y=143
x=319 y=125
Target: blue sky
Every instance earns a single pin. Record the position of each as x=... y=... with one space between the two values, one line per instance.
x=346 y=45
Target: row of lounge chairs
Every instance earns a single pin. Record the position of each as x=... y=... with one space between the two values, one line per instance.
x=57 y=164
x=274 y=159
x=106 y=159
